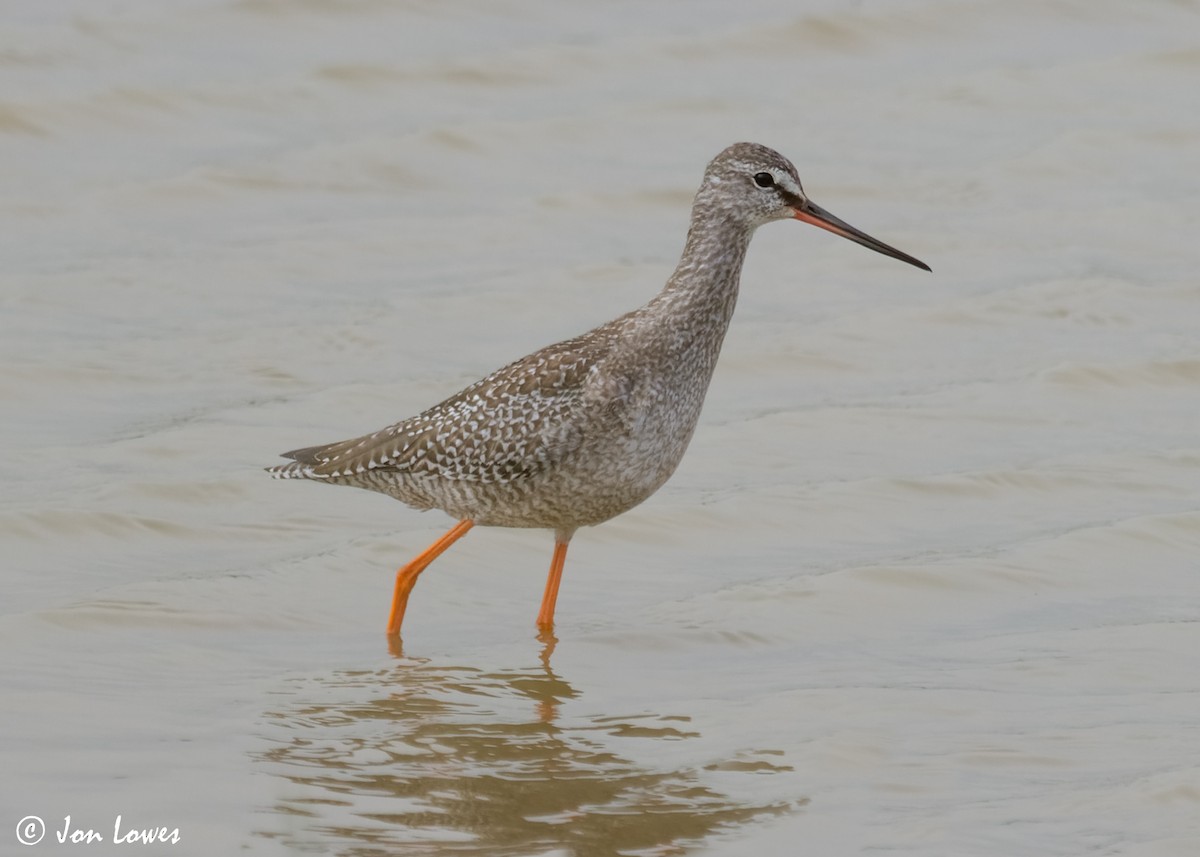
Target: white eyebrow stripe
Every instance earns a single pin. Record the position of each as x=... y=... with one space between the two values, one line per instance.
x=789 y=184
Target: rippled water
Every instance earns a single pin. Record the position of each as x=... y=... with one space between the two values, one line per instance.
x=926 y=583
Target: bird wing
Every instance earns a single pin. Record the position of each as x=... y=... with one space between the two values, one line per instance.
x=510 y=425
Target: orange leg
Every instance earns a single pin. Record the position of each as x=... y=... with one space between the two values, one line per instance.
x=406 y=578
x=545 y=618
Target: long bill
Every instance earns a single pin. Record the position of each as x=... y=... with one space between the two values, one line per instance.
x=810 y=212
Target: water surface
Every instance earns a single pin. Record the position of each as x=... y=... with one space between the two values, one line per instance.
x=926 y=582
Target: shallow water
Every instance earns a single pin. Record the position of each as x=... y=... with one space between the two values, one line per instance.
x=926 y=582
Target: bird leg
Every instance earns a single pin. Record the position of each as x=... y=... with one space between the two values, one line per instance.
x=406 y=578
x=545 y=617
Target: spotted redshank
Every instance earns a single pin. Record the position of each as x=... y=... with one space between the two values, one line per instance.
x=583 y=430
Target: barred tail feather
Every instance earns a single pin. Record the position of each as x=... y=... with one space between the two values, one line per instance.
x=294 y=470
x=304 y=464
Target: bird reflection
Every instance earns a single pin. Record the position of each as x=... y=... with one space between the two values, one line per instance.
x=452 y=759
x=546 y=695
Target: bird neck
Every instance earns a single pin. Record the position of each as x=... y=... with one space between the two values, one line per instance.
x=705 y=283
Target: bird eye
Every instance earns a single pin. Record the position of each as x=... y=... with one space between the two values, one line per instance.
x=764 y=180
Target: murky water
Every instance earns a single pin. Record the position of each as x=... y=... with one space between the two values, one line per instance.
x=928 y=581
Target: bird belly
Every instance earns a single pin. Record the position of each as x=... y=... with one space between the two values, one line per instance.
x=603 y=472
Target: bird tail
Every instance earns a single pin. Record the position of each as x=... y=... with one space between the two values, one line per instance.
x=304 y=464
